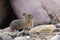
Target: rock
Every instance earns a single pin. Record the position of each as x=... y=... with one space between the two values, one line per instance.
x=42 y=31
x=31 y=6
x=8 y=31
x=36 y=39
x=12 y=34
x=1 y=30
x=5 y=37
x=21 y=33
x=58 y=25
x=15 y=33
x=56 y=37
x=23 y=38
x=57 y=1
x=49 y=37
x=43 y=28
x=51 y=7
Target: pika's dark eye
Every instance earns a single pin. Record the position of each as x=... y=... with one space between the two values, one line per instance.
x=24 y=14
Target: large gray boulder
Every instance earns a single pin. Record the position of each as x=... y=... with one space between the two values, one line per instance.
x=30 y=6
x=51 y=7
x=57 y=1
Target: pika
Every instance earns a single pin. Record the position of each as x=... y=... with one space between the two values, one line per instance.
x=23 y=23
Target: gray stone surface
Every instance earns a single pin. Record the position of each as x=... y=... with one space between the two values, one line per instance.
x=56 y=37
x=51 y=7
x=5 y=37
x=57 y=1
x=23 y=38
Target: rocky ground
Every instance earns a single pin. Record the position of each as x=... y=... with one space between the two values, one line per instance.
x=41 y=32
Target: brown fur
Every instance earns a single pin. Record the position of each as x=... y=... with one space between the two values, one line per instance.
x=25 y=23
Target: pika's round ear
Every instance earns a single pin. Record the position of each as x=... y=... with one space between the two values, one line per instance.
x=24 y=14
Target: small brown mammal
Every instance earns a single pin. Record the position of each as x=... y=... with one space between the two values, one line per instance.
x=24 y=23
